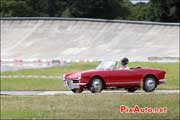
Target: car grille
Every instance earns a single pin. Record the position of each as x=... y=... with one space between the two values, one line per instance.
x=75 y=81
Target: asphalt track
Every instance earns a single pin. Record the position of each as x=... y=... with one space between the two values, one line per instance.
x=47 y=93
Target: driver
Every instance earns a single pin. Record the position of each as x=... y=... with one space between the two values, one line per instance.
x=124 y=63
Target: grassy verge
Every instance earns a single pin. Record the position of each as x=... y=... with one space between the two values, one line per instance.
x=91 y=106
x=172 y=75
x=32 y=84
x=55 y=70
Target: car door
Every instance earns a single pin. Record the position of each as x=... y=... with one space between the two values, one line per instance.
x=123 y=77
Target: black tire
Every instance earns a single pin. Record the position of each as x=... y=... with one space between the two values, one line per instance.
x=96 y=85
x=77 y=90
x=149 y=84
x=132 y=89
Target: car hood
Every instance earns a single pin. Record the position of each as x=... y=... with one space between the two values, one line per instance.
x=74 y=75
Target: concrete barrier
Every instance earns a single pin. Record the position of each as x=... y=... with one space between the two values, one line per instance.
x=47 y=38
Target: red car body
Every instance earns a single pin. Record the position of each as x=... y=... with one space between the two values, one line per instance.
x=122 y=78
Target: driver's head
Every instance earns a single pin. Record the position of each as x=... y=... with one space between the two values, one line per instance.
x=124 y=61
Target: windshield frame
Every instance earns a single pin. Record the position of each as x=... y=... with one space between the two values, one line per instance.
x=107 y=65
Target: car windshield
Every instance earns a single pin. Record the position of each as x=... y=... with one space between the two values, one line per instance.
x=107 y=65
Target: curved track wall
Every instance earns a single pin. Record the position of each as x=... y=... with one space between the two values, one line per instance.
x=87 y=38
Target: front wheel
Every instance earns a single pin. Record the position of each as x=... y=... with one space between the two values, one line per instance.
x=149 y=84
x=77 y=90
x=96 y=85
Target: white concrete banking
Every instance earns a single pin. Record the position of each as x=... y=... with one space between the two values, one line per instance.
x=47 y=38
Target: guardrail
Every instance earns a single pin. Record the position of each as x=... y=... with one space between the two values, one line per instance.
x=91 y=20
x=51 y=62
x=41 y=61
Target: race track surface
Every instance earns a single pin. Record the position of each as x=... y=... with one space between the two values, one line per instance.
x=90 y=39
x=29 y=93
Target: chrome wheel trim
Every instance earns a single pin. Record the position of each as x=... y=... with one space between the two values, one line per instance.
x=97 y=85
x=150 y=83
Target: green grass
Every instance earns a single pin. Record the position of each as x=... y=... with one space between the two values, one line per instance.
x=32 y=84
x=172 y=75
x=56 y=70
x=87 y=106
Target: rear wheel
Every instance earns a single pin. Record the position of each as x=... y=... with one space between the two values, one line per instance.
x=149 y=84
x=96 y=85
x=77 y=90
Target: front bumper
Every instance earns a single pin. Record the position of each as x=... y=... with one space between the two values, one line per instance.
x=161 y=81
x=72 y=85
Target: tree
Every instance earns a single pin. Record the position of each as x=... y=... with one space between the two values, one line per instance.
x=138 y=11
x=23 y=8
x=107 y=9
x=164 y=10
x=155 y=10
x=51 y=8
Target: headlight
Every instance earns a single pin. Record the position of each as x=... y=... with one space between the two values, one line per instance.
x=79 y=76
x=64 y=77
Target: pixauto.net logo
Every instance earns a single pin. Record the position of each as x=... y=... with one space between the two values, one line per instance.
x=137 y=109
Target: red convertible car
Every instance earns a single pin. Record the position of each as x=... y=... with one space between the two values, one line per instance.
x=108 y=75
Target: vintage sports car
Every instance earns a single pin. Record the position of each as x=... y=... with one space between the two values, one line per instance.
x=108 y=75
